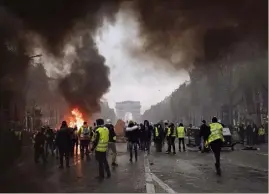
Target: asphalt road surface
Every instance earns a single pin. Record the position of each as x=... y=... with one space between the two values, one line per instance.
x=191 y=171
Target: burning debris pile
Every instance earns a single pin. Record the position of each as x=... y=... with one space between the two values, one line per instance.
x=88 y=80
x=76 y=119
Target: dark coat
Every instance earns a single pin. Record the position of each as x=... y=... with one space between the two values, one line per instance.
x=64 y=139
x=147 y=132
x=204 y=131
x=111 y=132
x=132 y=133
x=40 y=139
x=49 y=135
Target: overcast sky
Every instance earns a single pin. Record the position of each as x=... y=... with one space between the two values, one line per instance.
x=134 y=78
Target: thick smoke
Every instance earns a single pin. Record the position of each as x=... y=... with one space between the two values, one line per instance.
x=57 y=23
x=14 y=61
x=165 y=24
x=88 y=80
x=54 y=20
x=188 y=28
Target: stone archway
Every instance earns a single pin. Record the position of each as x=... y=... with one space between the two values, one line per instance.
x=128 y=116
x=133 y=107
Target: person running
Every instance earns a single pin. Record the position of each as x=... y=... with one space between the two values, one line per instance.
x=215 y=139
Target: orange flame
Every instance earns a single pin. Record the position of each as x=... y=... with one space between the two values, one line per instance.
x=76 y=119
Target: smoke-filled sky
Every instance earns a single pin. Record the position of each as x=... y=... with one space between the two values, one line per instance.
x=174 y=35
x=133 y=78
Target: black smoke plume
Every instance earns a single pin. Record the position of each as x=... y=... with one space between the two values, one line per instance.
x=88 y=80
x=59 y=22
x=54 y=20
x=190 y=26
x=169 y=26
x=165 y=24
x=13 y=53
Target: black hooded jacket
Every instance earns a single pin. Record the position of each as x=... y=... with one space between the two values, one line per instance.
x=204 y=131
x=64 y=139
x=132 y=133
x=148 y=130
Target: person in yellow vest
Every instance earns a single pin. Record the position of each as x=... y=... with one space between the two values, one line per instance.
x=215 y=139
x=100 y=146
x=261 y=133
x=84 y=137
x=181 y=137
x=158 y=137
x=18 y=134
x=171 y=136
x=167 y=132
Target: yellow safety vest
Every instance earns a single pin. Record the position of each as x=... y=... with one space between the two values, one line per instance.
x=84 y=132
x=206 y=144
x=168 y=131
x=103 y=139
x=261 y=131
x=180 y=132
x=216 y=132
x=18 y=134
x=156 y=132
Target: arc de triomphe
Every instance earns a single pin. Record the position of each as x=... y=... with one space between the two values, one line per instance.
x=132 y=107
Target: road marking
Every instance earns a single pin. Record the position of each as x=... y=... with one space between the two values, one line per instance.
x=148 y=176
x=162 y=184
